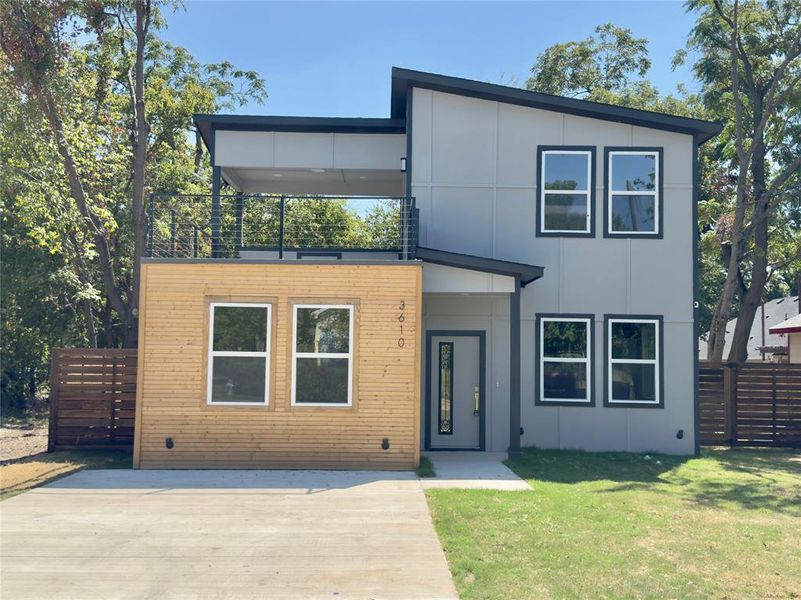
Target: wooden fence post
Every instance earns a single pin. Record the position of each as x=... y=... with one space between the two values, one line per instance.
x=730 y=402
x=773 y=405
x=113 y=399
x=52 y=431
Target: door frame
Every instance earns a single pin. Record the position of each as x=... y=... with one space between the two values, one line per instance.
x=482 y=360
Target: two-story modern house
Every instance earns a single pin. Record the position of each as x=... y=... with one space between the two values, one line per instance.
x=487 y=268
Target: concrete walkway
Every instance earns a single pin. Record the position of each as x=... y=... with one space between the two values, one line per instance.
x=222 y=534
x=473 y=470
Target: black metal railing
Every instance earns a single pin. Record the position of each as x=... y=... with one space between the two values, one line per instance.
x=232 y=226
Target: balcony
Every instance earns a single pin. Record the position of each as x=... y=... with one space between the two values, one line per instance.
x=271 y=226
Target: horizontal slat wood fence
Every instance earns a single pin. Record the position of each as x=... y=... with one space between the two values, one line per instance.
x=755 y=404
x=92 y=398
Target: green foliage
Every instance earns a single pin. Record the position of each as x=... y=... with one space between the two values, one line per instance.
x=768 y=36
x=54 y=292
x=605 y=61
x=426 y=468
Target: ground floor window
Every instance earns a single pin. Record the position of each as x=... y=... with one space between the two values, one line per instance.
x=322 y=355
x=239 y=354
x=633 y=370
x=564 y=345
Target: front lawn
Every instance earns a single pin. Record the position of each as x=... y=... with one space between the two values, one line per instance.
x=725 y=525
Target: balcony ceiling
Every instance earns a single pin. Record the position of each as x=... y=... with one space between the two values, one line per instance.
x=357 y=182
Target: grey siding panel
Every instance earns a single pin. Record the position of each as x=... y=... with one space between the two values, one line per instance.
x=459 y=218
x=592 y=429
x=515 y=215
x=652 y=429
x=581 y=131
x=592 y=276
x=460 y=154
x=516 y=163
x=474 y=177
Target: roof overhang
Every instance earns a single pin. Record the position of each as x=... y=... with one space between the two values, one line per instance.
x=526 y=273
x=207 y=123
x=791 y=325
x=403 y=79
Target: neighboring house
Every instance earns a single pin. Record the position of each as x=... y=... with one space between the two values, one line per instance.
x=791 y=331
x=770 y=314
x=488 y=268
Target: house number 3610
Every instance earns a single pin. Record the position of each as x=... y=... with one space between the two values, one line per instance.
x=401 y=318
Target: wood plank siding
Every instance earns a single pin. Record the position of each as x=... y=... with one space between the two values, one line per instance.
x=171 y=390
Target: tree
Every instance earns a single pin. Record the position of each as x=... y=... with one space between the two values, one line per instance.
x=750 y=65
x=81 y=56
x=31 y=36
x=604 y=62
x=610 y=67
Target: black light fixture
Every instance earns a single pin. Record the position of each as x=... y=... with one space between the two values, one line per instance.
x=169 y=443
x=403 y=164
x=385 y=444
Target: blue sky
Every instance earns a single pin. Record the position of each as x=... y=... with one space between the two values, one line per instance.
x=334 y=58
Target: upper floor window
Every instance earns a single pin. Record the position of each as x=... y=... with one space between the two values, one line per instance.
x=239 y=354
x=566 y=183
x=633 y=192
x=634 y=367
x=322 y=355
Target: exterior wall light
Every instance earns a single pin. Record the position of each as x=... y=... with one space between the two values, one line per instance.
x=403 y=164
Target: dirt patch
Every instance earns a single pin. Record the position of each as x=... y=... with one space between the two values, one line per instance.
x=18 y=440
x=22 y=474
x=19 y=476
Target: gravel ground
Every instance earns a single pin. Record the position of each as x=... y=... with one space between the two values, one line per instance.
x=21 y=440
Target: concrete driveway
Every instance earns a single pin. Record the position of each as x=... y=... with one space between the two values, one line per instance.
x=222 y=534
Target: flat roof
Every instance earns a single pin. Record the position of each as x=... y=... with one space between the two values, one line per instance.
x=205 y=123
x=403 y=79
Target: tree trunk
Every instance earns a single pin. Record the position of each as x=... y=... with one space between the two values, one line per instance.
x=82 y=271
x=142 y=131
x=759 y=265
x=717 y=330
x=108 y=326
x=753 y=298
x=48 y=107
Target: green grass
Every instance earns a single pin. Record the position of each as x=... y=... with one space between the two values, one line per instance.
x=725 y=525
x=426 y=468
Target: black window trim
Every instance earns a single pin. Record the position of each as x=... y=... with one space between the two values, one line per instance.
x=660 y=363
x=540 y=191
x=450 y=388
x=538 y=401
x=660 y=192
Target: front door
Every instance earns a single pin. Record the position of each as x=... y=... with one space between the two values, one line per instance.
x=456 y=394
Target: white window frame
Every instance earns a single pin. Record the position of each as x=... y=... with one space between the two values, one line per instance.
x=587 y=360
x=296 y=355
x=634 y=361
x=587 y=193
x=213 y=353
x=613 y=192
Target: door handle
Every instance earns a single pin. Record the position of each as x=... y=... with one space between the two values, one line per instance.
x=476 y=400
